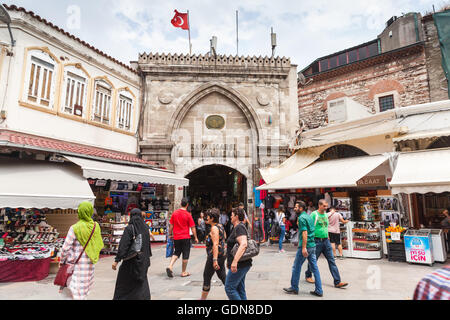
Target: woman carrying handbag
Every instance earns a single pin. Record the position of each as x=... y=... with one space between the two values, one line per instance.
x=135 y=252
x=80 y=252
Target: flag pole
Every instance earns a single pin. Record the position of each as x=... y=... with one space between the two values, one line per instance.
x=189 y=33
x=237 y=33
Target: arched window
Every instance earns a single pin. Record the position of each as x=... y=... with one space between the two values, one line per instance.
x=125 y=110
x=101 y=111
x=74 y=95
x=341 y=151
x=40 y=78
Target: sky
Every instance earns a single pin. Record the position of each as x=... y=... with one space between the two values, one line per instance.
x=306 y=30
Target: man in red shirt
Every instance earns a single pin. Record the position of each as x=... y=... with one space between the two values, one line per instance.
x=180 y=223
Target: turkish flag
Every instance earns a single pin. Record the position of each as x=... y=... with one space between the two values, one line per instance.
x=180 y=20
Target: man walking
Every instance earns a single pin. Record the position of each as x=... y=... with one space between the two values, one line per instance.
x=180 y=223
x=307 y=250
x=320 y=220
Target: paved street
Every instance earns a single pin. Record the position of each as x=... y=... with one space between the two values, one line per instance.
x=270 y=273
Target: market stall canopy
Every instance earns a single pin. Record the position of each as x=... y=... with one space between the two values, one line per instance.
x=329 y=174
x=422 y=172
x=349 y=132
x=301 y=159
x=39 y=184
x=425 y=125
x=110 y=171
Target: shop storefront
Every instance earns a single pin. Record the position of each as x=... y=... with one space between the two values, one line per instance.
x=39 y=201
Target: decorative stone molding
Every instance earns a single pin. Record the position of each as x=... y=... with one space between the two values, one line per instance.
x=165 y=97
x=169 y=59
x=262 y=99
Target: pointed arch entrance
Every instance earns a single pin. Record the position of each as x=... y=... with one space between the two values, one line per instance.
x=216 y=186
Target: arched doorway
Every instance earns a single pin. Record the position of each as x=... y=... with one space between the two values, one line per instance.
x=341 y=151
x=215 y=186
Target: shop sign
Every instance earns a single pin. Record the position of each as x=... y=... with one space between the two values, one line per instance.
x=395 y=236
x=372 y=181
x=100 y=183
x=418 y=249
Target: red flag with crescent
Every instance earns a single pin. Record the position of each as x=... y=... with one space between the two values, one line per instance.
x=180 y=20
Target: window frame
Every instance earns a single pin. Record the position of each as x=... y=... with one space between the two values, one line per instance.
x=128 y=95
x=377 y=97
x=78 y=71
x=41 y=59
x=94 y=106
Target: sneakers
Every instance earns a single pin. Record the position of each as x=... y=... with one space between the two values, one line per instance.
x=282 y=251
x=341 y=258
x=290 y=291
x=316 y=294
x=310 y=280
x=341 y=285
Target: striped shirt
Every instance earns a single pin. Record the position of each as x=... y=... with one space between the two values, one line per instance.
x=434 y=286
x=83 y=273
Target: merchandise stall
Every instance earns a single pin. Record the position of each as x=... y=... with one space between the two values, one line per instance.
x=32 y=194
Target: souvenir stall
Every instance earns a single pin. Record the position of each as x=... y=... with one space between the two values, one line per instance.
x=32 y=193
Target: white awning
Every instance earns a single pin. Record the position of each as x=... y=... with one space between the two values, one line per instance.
x=425 y=125
x=329 y=174
x=348 y=133
x=422 y=172
x=109 y=171
x=39 y=184
x=301 y=159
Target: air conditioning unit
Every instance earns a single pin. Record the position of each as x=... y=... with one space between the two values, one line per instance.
x=346 y=109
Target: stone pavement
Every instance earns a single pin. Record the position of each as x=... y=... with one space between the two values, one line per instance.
x=271 y=271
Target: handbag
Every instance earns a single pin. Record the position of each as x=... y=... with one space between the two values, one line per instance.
x=136 y=246
x=251 y=251
x=66 y=269
x=169 y=248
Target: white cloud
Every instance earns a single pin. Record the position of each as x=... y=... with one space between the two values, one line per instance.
x=306 y=29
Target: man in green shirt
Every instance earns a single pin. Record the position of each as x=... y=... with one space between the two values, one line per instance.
x=306 y=250
x=320 y=220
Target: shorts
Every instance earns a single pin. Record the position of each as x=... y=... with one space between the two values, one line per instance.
x=182 y=246
x=335 y=238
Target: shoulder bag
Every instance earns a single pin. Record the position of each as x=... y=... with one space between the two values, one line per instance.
x=136 y=246
x=66 y=269
x=251 y=251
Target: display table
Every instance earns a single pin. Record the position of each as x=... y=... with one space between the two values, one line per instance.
x=24 y=270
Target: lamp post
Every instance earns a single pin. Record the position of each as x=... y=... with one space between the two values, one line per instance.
x=5 y=18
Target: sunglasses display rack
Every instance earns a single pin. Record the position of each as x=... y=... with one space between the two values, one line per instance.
x=25 y=235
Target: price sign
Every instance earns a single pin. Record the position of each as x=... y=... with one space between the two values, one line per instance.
x=395 y=236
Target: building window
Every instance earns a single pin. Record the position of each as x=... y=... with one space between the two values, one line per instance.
x=41 y=83
x=125 y=111
x=386 y=102
x=102 y=102
x=74 y=91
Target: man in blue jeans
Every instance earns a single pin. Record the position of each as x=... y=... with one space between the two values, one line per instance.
x=307 y=250
x=323 y=245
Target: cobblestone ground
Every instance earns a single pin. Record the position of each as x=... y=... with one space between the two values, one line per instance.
x=368 y=279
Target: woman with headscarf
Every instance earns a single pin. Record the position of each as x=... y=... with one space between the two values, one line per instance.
x=77 y=237
x=132 y=282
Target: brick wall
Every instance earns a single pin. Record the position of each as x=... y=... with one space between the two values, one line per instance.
x=406 y=74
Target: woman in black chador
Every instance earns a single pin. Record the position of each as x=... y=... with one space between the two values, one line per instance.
x=132 y=282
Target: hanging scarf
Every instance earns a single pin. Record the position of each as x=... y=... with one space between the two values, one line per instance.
x=83 y=229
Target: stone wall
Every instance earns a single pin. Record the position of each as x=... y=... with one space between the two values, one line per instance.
x=438 y=82
x=406 y=76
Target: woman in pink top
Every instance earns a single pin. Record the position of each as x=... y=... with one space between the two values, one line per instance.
x=333 y=230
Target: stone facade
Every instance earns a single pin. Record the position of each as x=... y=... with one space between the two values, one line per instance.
x=404 y=74
x=255 y=98
x=437 y=79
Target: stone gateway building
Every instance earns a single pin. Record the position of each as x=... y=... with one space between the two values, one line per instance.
x=216 y=120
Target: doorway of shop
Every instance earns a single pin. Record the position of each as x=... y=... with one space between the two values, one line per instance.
x=215 y=186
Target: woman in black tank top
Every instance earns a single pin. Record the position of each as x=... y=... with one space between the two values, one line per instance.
x=215 y=250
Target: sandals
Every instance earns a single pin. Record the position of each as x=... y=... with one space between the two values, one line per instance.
x=187 y=274
x=169 y=273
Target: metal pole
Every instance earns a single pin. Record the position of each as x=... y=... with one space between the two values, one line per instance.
x=237 y=33
x=189 y=33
